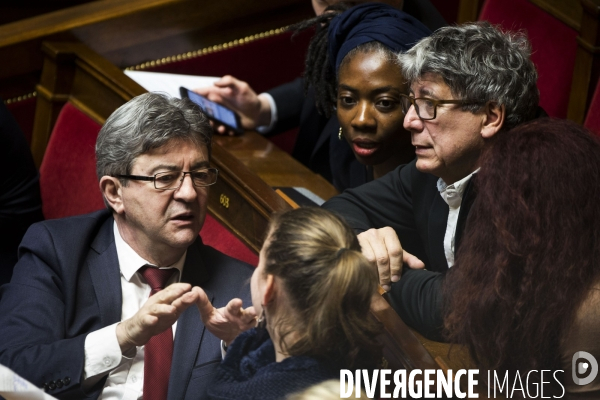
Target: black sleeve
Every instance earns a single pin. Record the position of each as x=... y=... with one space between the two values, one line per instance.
x=289 y=99
x=417 y=298
x=382 y=202
x=386 y=201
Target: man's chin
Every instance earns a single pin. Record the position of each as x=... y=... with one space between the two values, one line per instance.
x=423 y=165
x=183 y=238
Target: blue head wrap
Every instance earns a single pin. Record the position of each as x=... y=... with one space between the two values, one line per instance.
x=372 y=22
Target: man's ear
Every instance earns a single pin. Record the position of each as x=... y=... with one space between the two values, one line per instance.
x=111 y=190
x=270 y=289
x=494 y=119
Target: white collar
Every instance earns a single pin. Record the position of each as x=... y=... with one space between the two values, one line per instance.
x=130 y=261
x=452 y=194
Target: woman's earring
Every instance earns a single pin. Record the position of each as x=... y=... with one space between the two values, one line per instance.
x=340 y=134
x=261 y=321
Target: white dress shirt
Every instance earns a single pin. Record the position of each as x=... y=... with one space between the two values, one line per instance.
x=102 y=352
x=452 y=195
x=264 y=129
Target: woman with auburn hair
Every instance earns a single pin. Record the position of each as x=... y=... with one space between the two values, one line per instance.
x=525 y=292
x=312 y=292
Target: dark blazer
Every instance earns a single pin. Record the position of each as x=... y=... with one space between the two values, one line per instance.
x=297 y=109
x=408 y=201
x=250 y=372
x=67 y=284
x=20 y=200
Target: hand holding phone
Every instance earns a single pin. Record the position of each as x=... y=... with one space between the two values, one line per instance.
x=254 y=110
x=214 y=111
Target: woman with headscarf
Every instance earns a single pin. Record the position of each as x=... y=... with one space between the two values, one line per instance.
x=355 y=47
x=312 y=290
x=353 y=69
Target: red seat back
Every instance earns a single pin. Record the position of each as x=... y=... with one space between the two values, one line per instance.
x=215 y=235
x=68 y=172
x=70 y=187
x=554 y=46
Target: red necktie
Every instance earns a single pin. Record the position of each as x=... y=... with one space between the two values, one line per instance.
x=158 y=352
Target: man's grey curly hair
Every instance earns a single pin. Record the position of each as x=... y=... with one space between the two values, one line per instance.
x=481 y=63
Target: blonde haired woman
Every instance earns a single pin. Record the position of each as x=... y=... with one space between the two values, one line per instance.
x=312 y=291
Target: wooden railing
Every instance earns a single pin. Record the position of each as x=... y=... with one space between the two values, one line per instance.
x=130 y=32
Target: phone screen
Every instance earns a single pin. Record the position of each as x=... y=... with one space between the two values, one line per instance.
x=213 y=110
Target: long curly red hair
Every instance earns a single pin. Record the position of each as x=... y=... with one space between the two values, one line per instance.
x=531 y=248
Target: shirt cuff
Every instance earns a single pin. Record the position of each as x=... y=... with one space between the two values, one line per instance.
x=223 y=350
x=268 y=128
x=102 y=351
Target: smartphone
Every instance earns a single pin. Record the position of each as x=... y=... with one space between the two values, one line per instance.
x=214 y=111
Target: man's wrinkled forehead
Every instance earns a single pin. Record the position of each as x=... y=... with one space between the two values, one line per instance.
x=192 y=150
x=432 y=86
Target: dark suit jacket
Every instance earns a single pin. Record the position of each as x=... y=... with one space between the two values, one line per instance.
x=408 y=201
x=20 y=201
x=67 y=284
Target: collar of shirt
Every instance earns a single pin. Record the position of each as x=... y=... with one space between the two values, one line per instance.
x=452 y=194
x=130 y=261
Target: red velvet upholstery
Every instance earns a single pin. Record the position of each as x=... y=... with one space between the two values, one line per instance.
x=69 y=185
x=68 y=172
x=24 y=112
x=554 y=46
x=263 y=63
x=213 y=234
x=592 y=120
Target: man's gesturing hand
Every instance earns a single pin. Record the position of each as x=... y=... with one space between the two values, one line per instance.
x=254 y=110
x=158 y=313
x=225 y=322
x=382 y=249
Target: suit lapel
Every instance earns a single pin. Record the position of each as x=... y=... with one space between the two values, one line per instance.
x=190 y=329
x=105 y=273
x=332 y=126
x=438 y=219
x=465 y=208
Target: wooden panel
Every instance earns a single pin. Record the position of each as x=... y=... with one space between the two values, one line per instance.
x=587 y=62
x=402 y=349
x=22 y=9
x=130 y=32
x=468 y=10
x=568 y=11
x=273 y=165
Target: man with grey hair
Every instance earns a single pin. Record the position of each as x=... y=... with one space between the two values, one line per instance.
x=99 y=304
x=467 y=83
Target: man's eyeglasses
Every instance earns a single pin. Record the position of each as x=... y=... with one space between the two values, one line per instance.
x=172 y=180
x=426 y=108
